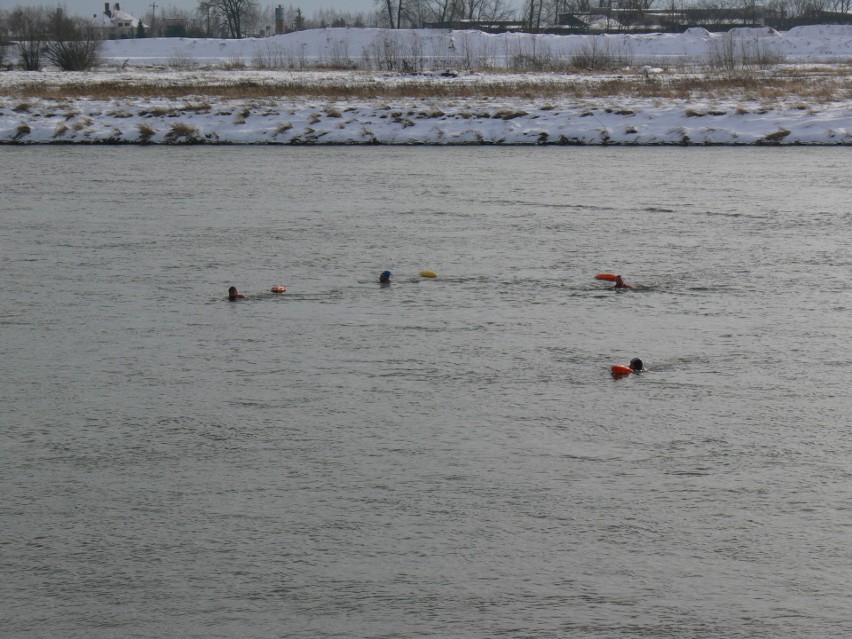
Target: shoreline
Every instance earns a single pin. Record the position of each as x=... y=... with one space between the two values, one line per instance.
x=597 y=122
x=134 y=99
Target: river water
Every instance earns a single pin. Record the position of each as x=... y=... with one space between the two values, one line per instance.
x=443 y=458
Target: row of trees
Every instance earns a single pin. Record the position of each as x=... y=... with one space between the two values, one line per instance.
x=238 y=18
x=210 y=19
x=43 y=35
x=539 y=14
x=397 y=14
x=39 y=35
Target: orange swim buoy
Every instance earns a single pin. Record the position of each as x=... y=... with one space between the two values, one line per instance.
x=278 y=289
x=620 y=369
x=609 y=277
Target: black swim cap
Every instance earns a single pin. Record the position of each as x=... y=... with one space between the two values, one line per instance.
x=636 y=364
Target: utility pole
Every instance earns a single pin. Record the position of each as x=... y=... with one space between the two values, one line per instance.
x=154 y=6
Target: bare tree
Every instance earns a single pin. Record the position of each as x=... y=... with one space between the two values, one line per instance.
x=843 y=7
x=174 y=22
x=74 y=44
x=438 y=10
x=210 y=19
x=28 y=28
x=576 y=6
x=533 y=10
x=778 y=8
x=238 y=15
x=712 y=11
x=675 y=18
x=773 y=10
x=807 y=8
x=393 y=11
x=3 y=30
x=334 y=18
x=489 y=10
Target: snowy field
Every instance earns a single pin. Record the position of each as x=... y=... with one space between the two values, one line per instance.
x=437 y=87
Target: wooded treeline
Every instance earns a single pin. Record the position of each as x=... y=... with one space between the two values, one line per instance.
x=35 y=31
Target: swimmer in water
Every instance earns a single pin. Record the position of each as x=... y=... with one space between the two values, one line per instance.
x=619 y=283
x=385 y=278
x=233 y=295
x=636 y=365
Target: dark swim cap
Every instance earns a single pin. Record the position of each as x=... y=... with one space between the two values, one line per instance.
x=385 y=276
x=636 y=364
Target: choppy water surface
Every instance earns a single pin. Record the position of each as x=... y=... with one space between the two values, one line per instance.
x=441 y=458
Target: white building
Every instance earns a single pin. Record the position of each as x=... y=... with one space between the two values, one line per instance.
x=117 y=23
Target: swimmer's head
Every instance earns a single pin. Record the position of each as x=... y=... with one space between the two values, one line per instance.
x=232 y=293
x=385 y=277
x=636 y=364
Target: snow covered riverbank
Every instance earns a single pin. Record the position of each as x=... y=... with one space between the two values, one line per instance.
x=467 y=121
x=448 y=117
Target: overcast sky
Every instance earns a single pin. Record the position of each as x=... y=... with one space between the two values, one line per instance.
x=142 y=7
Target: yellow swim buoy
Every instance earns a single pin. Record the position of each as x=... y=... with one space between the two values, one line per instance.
x=431 y=274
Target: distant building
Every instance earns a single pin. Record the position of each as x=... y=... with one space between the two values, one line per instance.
x=117 y=23
x=488 y=26
x=280 y=26
x=617 y=18
x=173 y=27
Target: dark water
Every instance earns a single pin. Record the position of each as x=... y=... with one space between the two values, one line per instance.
x=442 y=458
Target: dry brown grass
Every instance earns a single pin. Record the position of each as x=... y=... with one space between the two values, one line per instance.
x=774 y=138
x=197 y=107
x=509 y=114
x=182 y=132
x=22 y=130
x=402 y=120
x=158 y=112
x=146 y=132
x=816 y=86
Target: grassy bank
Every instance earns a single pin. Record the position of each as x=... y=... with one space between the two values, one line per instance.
x=816 y=84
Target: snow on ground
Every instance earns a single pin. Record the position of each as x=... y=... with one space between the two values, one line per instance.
x=559 y=119
x=456 y=49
